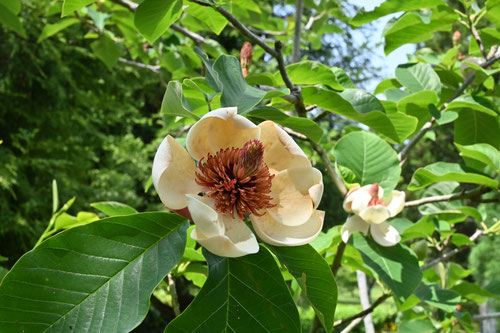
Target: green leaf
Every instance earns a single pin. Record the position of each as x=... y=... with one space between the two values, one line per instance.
x=443 y=207
x=107 y=50
x=315 y=278
x=52 y=29
x=342 y=77
x=362 y=101
x=418 y=77
x=174 y=104
x=2 y=258
x=154 y=17
x=65 y=221
x=211 y=76
x=331 y=101
x=482 y=152
x=461 y=240
x=70 y=6
x=432 y=294
x=208 y=16
x=422 y=229
x=392 y=6
x=310 y=72
x=370 y=158
x=473 y=127
x=10 y=20
x=113 y=208
x=3 y=272
x=98 y=277
x=473 y=291
x=415 y=27
x=442 y=172
x=404 y=125
x=387 y=84
x=472 y=102
x=235 y=90
x=14 y=6
x=302 y=125
x=397 y=266
x=244 y=294
x=416 y=326
x=418 y=105
x=456 y=273
x=493 y=11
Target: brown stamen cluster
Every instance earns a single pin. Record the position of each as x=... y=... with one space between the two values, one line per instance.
x=237 y=179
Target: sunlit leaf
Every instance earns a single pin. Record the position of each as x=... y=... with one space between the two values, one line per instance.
x=52 y=29
x=433 y=295
x=70 y=6
x=10 y=20
x=154 y=17
x=113 y=208
x=310 y=72
x=417 y=77
x=98 y=277
x=174 y=104
x=240 y=295
x=107 y=50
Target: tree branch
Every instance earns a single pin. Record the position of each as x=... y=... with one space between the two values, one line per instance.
x=299 y=10
x=173 y=293
x=486 y=316
x=404 y=152
x=451 y=253
x=337 y=261
x=154 y=69
x=363 y=313
x=479 y=42
x=449 y=197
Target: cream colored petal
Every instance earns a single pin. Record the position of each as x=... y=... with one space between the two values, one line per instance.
x=354 y=223
x=358 y=201
x=280 y=151
x=396 y=202
x=204 y=215
x=348 y=199
x=174 y=174
x=220 y=129
x=296 y=192
x=375 y=214
x=385 y=234
x=275 y=233
x=237 y=241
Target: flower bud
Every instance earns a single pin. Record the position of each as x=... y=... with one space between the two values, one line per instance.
x=246 y=55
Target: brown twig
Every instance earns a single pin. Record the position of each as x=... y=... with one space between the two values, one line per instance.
x=363 y=313
x=299 y=10
x=337 y=261
x=451 y=253
x=449 y=197
x=479 y=42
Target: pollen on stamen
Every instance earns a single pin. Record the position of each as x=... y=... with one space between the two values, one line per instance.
x=237 y=179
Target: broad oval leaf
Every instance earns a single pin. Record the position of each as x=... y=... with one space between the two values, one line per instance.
x=52 y=29
x=397 y=266
x=302 y=125
x=310 y=72
x=235 y=90
x=482 y=152
x=107 y=50
x=97 y=278
x=154 y=17
x=315 y=278
x=472 y=102
x=417 y=77
x=10 y=20
x=113 y=208
x=362 y=101
x=174 y=104
x=370 y=158
x=474 y=126
x=443 y=172
x=70 y=6
x=433 y=295
x=245 y=294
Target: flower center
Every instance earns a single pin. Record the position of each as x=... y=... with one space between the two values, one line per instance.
x=237 y=179
x=375 y=200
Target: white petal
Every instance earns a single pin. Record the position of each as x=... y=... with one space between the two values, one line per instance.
x=375 y=214
x=275 y=233
x=280 y=150
x=220 y=129
x=385 y=234
x=174 y=174
x=354 y=223
x=296 y=192
x=204 y=215
x=237 y=241
x=396 y=202
x=359 y=200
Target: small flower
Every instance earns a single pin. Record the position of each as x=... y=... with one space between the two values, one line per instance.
x=242 y=170
x=370 y=213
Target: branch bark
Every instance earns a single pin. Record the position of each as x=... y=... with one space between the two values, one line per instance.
x=299 y=11
x=363 y=313
x=449 y=197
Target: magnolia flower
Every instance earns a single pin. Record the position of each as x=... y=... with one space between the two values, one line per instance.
x=370 y=213
x=241 y=170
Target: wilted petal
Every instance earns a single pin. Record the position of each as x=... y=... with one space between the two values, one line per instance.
x=174 y=174
x=220 y=129
x=204 y=215
x=275 y=233
x=354 y=223
x=385 y=234
x=295 y=192
x=237 y=241
x=375 y=214
x=396 y=202
x=280 y=151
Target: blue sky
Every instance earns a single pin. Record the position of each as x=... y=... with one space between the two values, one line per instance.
x=395 y=58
